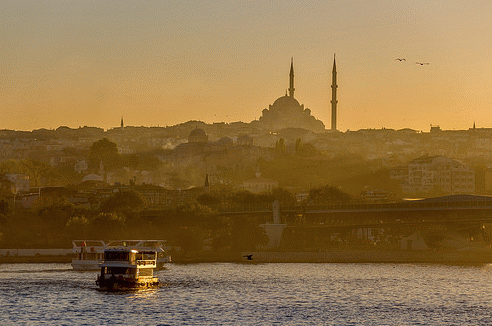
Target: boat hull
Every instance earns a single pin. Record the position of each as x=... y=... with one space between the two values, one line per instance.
x=117 y=285
x=86 y=265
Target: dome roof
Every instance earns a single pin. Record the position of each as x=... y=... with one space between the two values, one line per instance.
x=197 y=133
x=286 y=101
x=225 y=141
x=286 y=112
x=197 y=136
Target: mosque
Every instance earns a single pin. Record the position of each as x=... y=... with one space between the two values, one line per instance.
x=286 y=112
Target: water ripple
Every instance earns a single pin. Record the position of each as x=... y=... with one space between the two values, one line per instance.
x=260 y=294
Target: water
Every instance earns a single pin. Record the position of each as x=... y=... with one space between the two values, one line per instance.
x=254 y=294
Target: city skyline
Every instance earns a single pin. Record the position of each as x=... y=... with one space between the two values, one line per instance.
x=154 y=63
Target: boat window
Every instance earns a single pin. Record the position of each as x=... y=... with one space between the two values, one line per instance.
x=116 y=255
x=118 y=270
x=149 y=256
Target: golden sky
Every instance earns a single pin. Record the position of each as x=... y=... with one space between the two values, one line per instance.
x=156 y=62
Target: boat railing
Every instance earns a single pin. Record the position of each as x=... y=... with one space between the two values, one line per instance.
x=146 y=262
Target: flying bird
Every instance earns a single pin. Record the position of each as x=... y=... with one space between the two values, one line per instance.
x=400 y=59
x=421 y=63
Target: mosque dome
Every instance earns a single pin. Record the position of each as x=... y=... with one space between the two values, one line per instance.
x=197 y=136
x=286 y=102
x=287 y=112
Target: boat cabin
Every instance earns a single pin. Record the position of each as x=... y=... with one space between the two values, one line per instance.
x=128 y=268
x=89 y=254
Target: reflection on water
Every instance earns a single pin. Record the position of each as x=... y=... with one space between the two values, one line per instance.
x=232 y=294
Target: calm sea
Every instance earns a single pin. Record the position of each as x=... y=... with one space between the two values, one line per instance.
x=254 y=294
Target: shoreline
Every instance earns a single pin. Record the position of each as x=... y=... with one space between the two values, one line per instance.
x=35 y=259
x=192 y=258
x=350 y=256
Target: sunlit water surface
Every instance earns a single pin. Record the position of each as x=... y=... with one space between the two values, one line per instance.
x=254 y=294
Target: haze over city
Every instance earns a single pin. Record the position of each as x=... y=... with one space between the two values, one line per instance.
x=163 y=63
x=245 y=162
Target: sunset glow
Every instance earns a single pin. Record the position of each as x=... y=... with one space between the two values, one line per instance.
x=78 y=63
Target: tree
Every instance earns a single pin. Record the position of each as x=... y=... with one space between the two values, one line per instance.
x=328 y=195
x=280 y=146
x=189 y=239
x=56 y=215
x=9 y=166
x=36 y=170
x=284 y=196
x=78 y=227
x=246 y=234
x=106 y=151
x=108 y=225
x=305 y=150
x=53 y=216
x=247 y=197
x=123 y=202
x=4 y=207
x=143 y=161
x=104 y=146
x=208 y=200
x=132 y=161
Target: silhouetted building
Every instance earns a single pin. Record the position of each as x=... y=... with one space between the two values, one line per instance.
x=286 y=112
x=197 y=136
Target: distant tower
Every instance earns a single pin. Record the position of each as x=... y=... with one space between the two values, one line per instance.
x=291 y=85
x=334 y=100
x=207 y=184
x=122 y=125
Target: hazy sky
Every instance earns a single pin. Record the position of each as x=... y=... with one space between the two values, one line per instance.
x=78 y=63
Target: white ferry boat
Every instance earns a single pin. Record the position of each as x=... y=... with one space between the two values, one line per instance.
x=90 y=253
x=126 y=269
x=158 y=246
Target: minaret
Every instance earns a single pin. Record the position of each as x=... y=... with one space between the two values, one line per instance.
x=122 y=125
x=334 y=100
x=291 y=85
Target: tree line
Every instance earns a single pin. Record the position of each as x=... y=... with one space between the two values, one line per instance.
x=53 y=222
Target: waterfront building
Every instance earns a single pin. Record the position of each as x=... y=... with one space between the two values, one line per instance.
x=438 y=174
